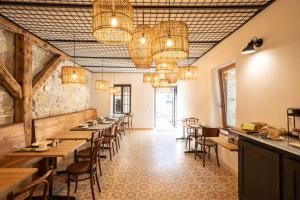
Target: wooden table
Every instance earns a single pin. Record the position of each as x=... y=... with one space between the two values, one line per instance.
x=11 y=177
x=97 y=127
x=196 y=127
x=72 y=135
x=61 y=150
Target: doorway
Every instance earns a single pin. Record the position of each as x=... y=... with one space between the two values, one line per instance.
x=165 y=108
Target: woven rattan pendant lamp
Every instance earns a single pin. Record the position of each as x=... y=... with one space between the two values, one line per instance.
x=164 y=67
x=101 y=85
x=188 y=73
x=114 y=90
x=170 y=41
x=73 y=74
x=147 y=78
x=173 y=76
x=140 y=47
x=112 y=21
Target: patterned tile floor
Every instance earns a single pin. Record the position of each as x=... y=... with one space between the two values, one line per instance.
x=152 y=166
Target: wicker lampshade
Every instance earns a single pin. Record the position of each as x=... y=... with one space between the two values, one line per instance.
x=112 y=21
x=115 y=90
x=164 y=83
x=188 y=73
x=140 y=47
x=73 y=74
x=164 y=67
x=155 y=79
x=170 y=41
x=147 y=78
x=102 y=85
x=173 y=76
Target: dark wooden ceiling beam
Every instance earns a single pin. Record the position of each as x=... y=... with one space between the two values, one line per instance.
x=142 y=7
x=13 y=27
x=10 y=83
x=45 y=73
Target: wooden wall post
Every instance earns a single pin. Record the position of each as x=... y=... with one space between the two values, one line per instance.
x=23 y=74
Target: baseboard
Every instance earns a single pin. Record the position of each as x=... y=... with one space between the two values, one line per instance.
x=140 y=129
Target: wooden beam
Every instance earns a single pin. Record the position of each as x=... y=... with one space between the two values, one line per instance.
x=10 y=83
x=44 y=74
x=23 y=107
x=11 y=26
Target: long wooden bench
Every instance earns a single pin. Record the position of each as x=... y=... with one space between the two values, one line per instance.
x=11 y=137
x=50 y=126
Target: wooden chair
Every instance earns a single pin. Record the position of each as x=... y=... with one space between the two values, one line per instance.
x=128 y=122
x=109 y=139
x=85 y=153
x=190 y=132
x=31 y=188
x=206 y=143
x=88 y=167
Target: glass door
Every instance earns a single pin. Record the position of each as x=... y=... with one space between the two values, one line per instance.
x=165 y=108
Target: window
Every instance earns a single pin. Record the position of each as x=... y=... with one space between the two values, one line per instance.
x=227 y=80
x=122 y=101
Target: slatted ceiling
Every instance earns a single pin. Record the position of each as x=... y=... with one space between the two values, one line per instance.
x=56 y=21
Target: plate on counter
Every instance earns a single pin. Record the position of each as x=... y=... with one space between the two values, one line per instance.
x=295 y=144
x=278 y=139
x=36 y=144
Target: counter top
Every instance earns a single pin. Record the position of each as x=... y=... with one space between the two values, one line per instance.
x=282 y=144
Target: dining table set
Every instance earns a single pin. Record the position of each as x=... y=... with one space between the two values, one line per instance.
x=56 y=146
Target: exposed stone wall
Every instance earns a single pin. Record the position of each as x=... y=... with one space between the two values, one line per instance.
x=52 y=98
x=7 y=43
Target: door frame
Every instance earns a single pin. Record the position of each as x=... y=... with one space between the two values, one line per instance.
x=174 y=109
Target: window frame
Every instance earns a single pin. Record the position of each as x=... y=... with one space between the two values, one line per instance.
x=222 y=93
x=122 y=86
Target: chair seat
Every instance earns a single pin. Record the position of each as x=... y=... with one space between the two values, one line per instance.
x=207 y=142
x=84 y=153
x=77 y=168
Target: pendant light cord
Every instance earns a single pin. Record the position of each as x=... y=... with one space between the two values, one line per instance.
x=74 y=50
x=113 y=7
x=169 y=35
x=102 y=67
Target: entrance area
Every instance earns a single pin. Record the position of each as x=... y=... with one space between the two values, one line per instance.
x=165 y=108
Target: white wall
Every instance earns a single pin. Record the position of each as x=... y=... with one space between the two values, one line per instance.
x=267 y=81
x=142 y=97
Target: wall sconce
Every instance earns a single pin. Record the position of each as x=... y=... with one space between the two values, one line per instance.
x=257 y=42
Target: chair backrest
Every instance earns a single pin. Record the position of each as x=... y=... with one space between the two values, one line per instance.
x=43 y=180
x=191 y=120
x=210 y=132
x=93 y=150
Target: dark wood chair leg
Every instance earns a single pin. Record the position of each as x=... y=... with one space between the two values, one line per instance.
x=99 y=164
x=203 y=155
x=92 y=187
x=109 y=146
x=69 y=186
x=116 y=145
x=189 y=138
x=208 y=152
x=113 y=147
x=76 y=184
x=97 y=180
x=217 y=156
x=196 y=148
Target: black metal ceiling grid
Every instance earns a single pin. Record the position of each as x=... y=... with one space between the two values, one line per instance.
x=157 y=2
x=209 y=22
x=119 y=70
